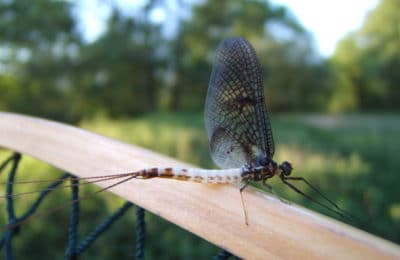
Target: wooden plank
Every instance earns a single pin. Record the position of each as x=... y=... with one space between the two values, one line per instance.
x=214 y=212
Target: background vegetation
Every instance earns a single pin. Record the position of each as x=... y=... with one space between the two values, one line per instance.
x=141 y=79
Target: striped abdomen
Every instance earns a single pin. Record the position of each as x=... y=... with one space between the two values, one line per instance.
x=192 y=174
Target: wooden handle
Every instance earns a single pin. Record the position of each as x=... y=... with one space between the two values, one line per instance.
x=214 y=212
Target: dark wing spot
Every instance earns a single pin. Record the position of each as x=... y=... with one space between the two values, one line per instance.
x=243 y=101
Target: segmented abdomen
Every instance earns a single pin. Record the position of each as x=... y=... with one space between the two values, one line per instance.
x=192 y=174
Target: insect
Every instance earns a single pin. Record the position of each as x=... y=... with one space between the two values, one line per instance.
x=238 y=129
x=236 y=122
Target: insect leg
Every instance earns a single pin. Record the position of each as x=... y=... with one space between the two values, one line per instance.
x=347 y=214
x=271 y=189
x=241 y=197
x=341 y=214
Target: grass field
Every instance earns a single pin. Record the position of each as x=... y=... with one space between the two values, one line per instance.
x=353 y=159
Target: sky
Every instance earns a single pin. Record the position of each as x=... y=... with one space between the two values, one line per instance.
x=327 y=21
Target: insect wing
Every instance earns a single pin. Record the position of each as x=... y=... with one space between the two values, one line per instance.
x=236 y=118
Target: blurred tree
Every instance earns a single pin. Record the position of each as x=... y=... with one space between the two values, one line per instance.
x=118 y=72
x=24 y=23
x=61 y=77
x=47 y=70
x=38 y=39
x=345 y=95
x=368 y=61
x=9 y=90
x=295 y=76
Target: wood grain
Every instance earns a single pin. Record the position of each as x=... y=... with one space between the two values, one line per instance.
x=276 y=230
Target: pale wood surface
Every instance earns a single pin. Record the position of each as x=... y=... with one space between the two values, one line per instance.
x=276 y=230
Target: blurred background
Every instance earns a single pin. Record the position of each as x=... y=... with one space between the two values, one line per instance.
x=138 y=71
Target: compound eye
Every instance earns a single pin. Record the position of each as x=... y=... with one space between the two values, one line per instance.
x=286 y=168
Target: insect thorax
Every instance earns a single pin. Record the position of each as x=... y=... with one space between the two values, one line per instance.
x=262 y=169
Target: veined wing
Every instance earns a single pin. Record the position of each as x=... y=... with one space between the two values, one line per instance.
x=236 y=118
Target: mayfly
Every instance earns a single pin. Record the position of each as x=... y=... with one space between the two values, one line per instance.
x=238 y=129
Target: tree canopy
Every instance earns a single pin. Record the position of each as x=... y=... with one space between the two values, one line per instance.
x=48 y=69
x=367 y=63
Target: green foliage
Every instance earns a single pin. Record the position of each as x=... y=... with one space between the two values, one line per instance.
x=37 y=22
x=290 y=64
x=368 y=62
x=37 y=39
x=353 y=160
x=9 y=88
x=133 y=67
x=118 y=71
